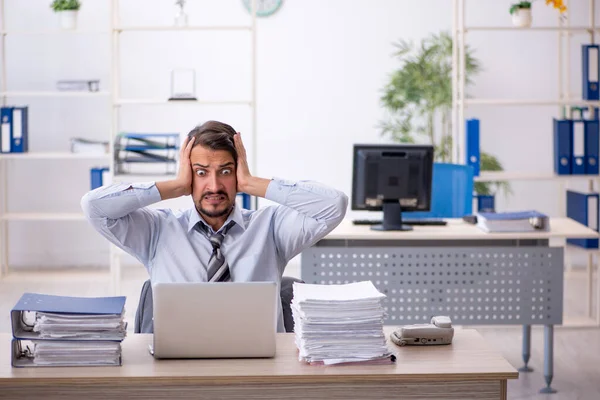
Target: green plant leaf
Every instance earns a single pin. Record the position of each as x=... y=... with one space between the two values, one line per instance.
x=65 y=5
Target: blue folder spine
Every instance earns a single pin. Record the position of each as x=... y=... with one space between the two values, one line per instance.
x=472 y=141
x=578 y=149
x=583 y=208
x=592 y=146
x=485 y=203
x=5 y=129
x=20 y=130
x=590 y=71
x=96 y=176
x=563 y=146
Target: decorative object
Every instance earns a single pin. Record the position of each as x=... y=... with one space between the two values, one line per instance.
x=521 y=14
x=181 y=18
x=521 y=11
x=418 y=97
x=67 y=11
x=264 y=8
x=183 y=84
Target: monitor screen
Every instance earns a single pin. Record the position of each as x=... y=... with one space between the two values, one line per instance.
x=392 y=178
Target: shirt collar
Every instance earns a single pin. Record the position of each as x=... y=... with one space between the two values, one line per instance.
x=235 y=216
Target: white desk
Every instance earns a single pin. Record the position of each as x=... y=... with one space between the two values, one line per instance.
x=456 y=270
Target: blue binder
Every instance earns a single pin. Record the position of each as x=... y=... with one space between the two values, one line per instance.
x=590 y=73
x=583 y=208
x=14 y=130
x=485 y=203
x=61 y=305
x=563 y=146
x=472 y=142
x=578 y=152
x=97 y=176
x=592 y=146
x=5 y=129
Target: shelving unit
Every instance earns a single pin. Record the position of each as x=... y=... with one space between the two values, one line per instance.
x=460 y=102
x=114 y=32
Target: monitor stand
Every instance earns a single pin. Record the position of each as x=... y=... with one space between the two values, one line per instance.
x=392 y=219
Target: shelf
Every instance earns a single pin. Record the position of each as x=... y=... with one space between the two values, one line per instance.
x=43 y=217
x=52 y=156
x=54 y=94
x=55 y=32
x=120 y=102
x=183 y=28
x=530 y=102
x=532 y=28
x=487 y=176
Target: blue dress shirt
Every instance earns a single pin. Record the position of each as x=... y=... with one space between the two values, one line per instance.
x=257 y=247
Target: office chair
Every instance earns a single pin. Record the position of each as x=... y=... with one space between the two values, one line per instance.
x=144 y=313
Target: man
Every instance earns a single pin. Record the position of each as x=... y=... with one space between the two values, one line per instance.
x=183 y=246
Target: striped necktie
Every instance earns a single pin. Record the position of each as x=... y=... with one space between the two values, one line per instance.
x=218 y=270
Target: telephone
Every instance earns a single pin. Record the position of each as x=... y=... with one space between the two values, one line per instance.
x=439 y=331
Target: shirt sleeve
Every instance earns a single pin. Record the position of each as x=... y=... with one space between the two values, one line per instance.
x=119 y=212
x=308 y=211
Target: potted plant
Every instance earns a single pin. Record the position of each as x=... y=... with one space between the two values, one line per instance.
x=418 y=98
x=67 y=11
x=521 y=14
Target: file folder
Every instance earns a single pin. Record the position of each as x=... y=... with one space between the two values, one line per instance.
x=583 y=208
x=590 y=73
x=98 y=177
x=592 y=146
x=472 y=142
x=5 y=129
x=31 y=302
x=578 y=154
x=485 y=203
x=20 y=142
x=22 y=355
x=563 y=146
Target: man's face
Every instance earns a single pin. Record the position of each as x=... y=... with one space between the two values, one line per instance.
x=214 y=183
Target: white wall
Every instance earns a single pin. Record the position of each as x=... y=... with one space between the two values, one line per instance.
x=321 y=68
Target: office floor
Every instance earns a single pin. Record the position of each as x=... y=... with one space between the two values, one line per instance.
x=576 y=351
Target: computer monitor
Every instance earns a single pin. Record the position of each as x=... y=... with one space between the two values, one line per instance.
x=392 y=179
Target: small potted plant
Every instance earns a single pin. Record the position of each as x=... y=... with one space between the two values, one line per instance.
x=521 y=14
x=67 y=11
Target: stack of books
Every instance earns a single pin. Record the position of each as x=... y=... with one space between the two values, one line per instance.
x=521 y=221
x=139 y=153
x=339 y=324
x=67 y=331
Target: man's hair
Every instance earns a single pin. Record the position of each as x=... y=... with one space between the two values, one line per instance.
x=215 y=135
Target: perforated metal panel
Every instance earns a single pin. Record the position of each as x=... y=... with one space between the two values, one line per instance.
x=472 y=285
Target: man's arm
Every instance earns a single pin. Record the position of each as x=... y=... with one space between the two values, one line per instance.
x=311 y=210
x=119 y=212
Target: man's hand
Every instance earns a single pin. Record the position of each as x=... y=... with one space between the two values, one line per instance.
x=246 y=183
x=242 y=170
x=182 y=184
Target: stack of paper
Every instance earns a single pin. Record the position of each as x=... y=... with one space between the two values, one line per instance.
x=339 y=323
x=67 y=331
x=80 y=326
x=59 y=353
x=522 y=221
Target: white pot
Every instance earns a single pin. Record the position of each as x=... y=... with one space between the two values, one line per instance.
x=522 y=17
x=68 y=19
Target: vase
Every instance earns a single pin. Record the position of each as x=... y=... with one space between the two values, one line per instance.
x=181 y=18
x=68 y=19
x=521 y=17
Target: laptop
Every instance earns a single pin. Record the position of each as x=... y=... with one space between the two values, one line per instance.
x=215 y=320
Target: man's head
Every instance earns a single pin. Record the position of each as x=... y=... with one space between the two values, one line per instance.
x=214 y=162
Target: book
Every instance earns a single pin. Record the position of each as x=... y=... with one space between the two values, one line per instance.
x=521 y=221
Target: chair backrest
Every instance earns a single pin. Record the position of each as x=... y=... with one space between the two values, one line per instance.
x=145 y=310
x=451 y=192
